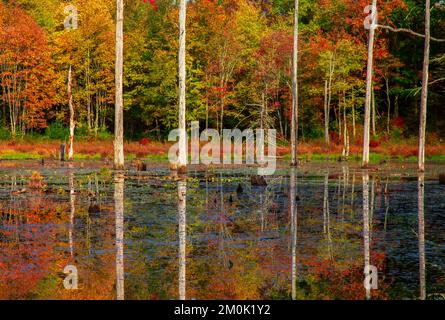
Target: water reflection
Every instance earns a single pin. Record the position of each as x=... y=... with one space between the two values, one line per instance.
x=72 y=211
x=182 y=212
x=119 y=211
x=366 y=229
x=306 y=235
x=294 y=216
x=421 y=235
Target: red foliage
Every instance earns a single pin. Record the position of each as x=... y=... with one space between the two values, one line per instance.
x=399 y=122
x=374 y=143
x=144 y=141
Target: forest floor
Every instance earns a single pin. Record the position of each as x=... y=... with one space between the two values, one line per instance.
x=99 y=150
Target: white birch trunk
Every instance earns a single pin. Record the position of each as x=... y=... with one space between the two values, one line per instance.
x=182 y=87
x=119 y=161
x=369 y=73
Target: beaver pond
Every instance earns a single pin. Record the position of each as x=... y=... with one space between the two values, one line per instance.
x=216 y=233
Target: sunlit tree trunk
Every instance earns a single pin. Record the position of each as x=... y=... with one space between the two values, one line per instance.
x=294 y=126
x=182 y=87
x=369 y=73
x=72 y=124
x=424 y=97
x=421 y=235
x=182 y=209
x=119 y=108
x=119 y=212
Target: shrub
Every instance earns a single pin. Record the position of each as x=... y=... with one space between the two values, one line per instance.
x=57 y=131
x=4 y=134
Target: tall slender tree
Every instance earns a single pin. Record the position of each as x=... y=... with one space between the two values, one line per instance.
x=182 y=165
x=119 y=107
x=294 y=125
x=369 y=74
x=72 y=123
x=424 y=96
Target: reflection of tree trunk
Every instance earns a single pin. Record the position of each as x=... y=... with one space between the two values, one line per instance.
x=294 y=219
x=353 y=193
x=386 y=204
x=72 y=212
x=366 y=231
x=326 y=216
x=119 y=211
x=421 y=217
x=182 y=206
x=325 y=202
x=345 y=186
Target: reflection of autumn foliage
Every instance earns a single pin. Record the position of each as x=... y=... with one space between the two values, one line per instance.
x=27 y=242
x=34 y=251
x=331 y=280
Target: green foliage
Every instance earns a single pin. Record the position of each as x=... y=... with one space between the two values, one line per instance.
x=57 y=131
x=5 y=134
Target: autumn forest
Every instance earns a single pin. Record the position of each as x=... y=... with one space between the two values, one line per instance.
x=239 y=70
x=117 y=124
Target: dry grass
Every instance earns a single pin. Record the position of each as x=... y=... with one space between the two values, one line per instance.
x=104 y=149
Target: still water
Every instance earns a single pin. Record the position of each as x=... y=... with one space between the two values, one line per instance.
x=308 y=234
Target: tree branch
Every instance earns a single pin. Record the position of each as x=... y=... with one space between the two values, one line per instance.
x=408 y=31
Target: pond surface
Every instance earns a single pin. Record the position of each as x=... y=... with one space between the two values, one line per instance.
x=309 y=234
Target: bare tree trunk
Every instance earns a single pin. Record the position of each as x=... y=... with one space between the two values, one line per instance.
x=373 y=110
x=294 y=129
x=388 y=103
x=72 y=124
x=326 y=113
x=354 y=130
x=119 y=161
x=369 y=73
x=182 y=165
x=424 y=97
